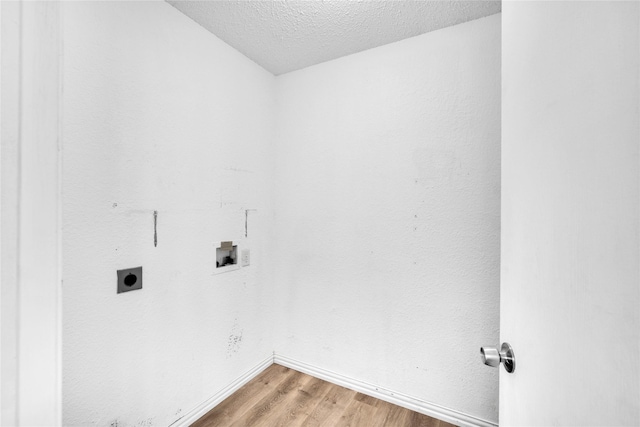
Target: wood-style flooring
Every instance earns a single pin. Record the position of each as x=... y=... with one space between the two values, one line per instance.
x=282 y=397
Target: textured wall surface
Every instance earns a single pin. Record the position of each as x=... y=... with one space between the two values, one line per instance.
x=570 y=210
x=283 y=36
x=382 y=169
x=160 y=115
x=388 y=215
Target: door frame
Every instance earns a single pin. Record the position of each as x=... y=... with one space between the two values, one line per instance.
x=30 y=228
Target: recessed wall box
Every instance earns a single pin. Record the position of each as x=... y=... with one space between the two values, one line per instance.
x=129 y=279
x=226 y=254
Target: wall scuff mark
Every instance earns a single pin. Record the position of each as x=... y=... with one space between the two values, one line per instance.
x=235 y=339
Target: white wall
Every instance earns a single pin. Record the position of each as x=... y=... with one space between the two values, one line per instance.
x=160 y=115
x=388 y=215
x=570 y=246
x=385 y=174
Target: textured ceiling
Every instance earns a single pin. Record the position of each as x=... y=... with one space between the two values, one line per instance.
x=284 y=36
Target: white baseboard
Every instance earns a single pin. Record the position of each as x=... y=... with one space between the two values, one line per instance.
x=412 y=403
x=199 y=411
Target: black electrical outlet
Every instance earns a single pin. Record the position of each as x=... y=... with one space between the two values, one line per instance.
x=129 y=279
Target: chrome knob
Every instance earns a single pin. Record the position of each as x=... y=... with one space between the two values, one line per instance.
x=492 y=357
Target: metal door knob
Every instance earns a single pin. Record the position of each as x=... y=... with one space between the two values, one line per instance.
x=493 y=357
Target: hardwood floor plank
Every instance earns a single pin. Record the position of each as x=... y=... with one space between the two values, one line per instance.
x=278 y=413
x=445 y=424
x=396 y=417
x=242 y=400
x=360 y=397
x=330 y=407
x=382 y=410
x=357 y=414
x=283 y=397
x=420 y=420
x=255 y=415
x=299 y=408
